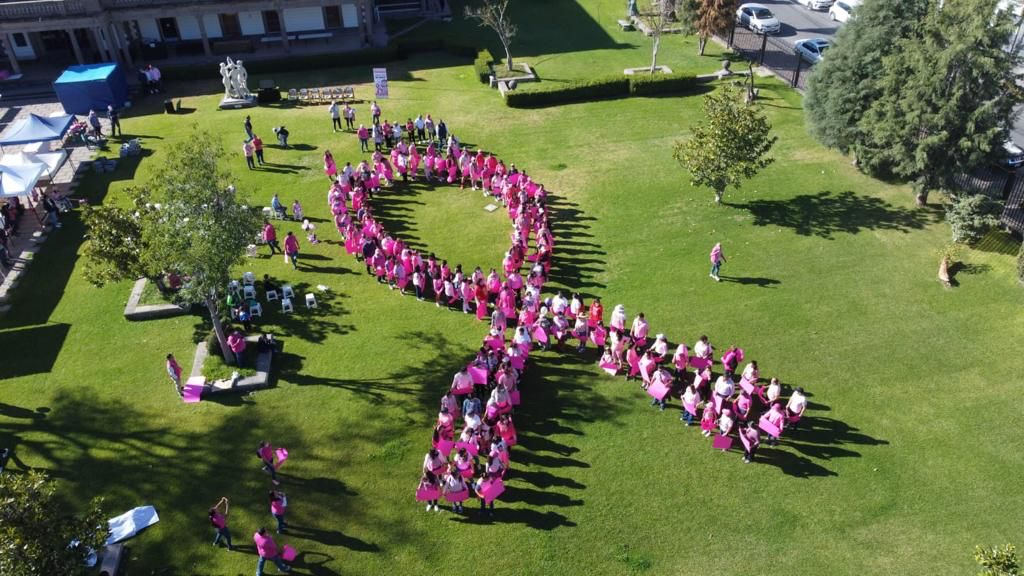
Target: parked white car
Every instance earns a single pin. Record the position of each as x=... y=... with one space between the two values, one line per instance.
x=842 y=10
x=1014 y=155
x=758 y=18
x=812 y=49
x=817 y=4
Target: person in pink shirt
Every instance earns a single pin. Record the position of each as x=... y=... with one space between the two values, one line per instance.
x=750 y=437
x=278 y=507
x=291 y=249
x=270 y=237
x=364 y=138
x=777 y=417
x=717 y=259
x=248 y=150
x=174 y=371
x=237 y=344
x=267 y=550
x=219 y=520
x=265 y=453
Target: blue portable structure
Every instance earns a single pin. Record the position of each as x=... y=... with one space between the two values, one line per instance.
x=36 y=128
x=91 y=87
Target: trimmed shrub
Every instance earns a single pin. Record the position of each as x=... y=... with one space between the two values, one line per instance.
x=482 y=65
x=970 y=216
x=647 y=84
x=594 y=89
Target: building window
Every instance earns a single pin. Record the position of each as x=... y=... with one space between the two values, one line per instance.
x=19 y=40
x=230 y=27
x=169 y=28
x=271 y=22
x=332 y=17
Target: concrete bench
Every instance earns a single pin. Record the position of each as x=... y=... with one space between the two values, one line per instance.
x=261 y=379
x=626 y=25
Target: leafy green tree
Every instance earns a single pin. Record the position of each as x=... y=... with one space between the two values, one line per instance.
x=686 y=14
x=714 y=17
x=493 y=14
x=196 y=225
x=847 y=83
x=657 y=16
x=36 y=531
x=970 y=216
x=113 y=247
x=997 y=561
x=947 y=97
x=732 y=145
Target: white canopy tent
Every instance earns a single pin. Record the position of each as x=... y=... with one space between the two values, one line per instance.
x=20 y=179
x=52 y=161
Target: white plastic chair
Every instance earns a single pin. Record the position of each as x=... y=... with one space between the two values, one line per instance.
x=287 y=291
x=249 y=292
x=248 y=278
x=286 y=305
x=310 y=300
x=272 y=295
x=250 y=251
x=255 y=310
x=268 y=212
x=235 y=287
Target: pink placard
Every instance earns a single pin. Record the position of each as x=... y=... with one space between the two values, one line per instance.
x=722 y=442
x=531 y=257
x=747 y=386
x=610 y=367
x=518 y=362
x=289 y=553
x=466 y=472
x=470 y=447
x=658 y=390
x=699 y=363
x=540 y=334
x=282 y=455
x=424 y=494
x=445 y=447
x=192 y=394
x=745 y=441
x=496 y=342
x=598 y=337
x=491 y=489
x=690 y=407
x=478 y=374
x=466 y=387
x=350 y=246
x=459 y=496
x=513 y=397
x=769 y=428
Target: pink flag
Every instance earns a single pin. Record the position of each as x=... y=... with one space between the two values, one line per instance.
x=424 y=494
x=491 y=489
x=289 y=553
x=610 y=367
x=282 y=455
x=192 y=393
x=722 y=443
x=470 y=447
x=459 y=496
x=478 y=374
x=769 y=428
x=658 y=390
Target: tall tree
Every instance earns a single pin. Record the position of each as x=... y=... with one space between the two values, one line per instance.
x=35 y=530
x=732 y=145
x=113 y=246
x=848 y=82
x=493 y=14
x=947 y=97
x=657 y=16
x=686 y=14
x=714 y=17
x=197 y=227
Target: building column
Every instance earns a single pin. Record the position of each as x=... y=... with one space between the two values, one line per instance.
x=366 y=14
x=8 y=46
x=101 y=45
x=121 y=40
x=74 y=45
x=202 y=32
x=284 y=30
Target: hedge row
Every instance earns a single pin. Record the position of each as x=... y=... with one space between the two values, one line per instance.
x=482 y=65
x=601 y=88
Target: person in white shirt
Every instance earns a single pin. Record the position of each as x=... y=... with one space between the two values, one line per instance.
x=453 y=484
x=691 y=398
x=660 y=348
x=558 y=304
x=350 y=117
x=725 y=422
x=774 y=391
x=335 y=113
x=796 y=406
x=702 y=349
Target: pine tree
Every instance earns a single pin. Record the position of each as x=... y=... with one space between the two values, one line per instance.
x=947 y=97
x=844 y=85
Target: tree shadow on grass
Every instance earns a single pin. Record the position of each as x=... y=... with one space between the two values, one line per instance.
x=826 y=214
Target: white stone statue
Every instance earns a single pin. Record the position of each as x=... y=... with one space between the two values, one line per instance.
x=241 y=81
x=235 y=79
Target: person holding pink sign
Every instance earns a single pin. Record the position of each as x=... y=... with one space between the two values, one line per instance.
x=726 y=422
x=679 y=358
x=777 y=418
x=708 y=420
x=751 y=439
x=751 y=373
x=429 y=486
x=660 y=348
x=435 y=462
x=690 y=401
x=266 y=548
x=278 y=507
x=618 y=318
x=796 y=406
x=581 y=331
x=454 y=490
x=265 y=453
x=639 y=329
x=703 y=348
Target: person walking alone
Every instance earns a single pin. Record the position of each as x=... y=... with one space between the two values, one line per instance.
x=174 y=371
x=248 y=150
x=219 y=520
x=270 y=237
x=266 y=548
x=717 y=259
x=248 y=127
x=115 y=121
x=291 y=249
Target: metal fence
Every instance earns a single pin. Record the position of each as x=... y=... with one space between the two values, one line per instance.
x=772 y=53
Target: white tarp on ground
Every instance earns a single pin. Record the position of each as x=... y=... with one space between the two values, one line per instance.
x=131 y=523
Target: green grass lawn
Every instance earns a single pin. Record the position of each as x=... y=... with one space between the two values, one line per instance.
x=908 y=462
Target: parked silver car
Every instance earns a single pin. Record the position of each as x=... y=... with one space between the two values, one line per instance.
x=758 y=18
x=812 y=49
x=817 y=4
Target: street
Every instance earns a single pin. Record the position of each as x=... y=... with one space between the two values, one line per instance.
x=798 y=22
